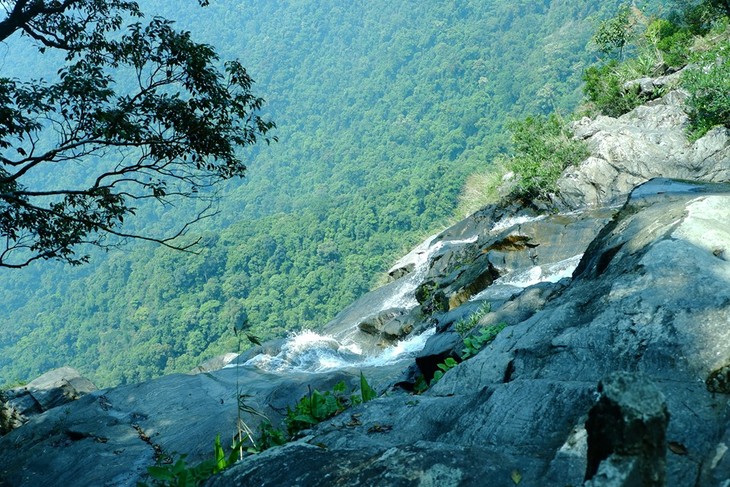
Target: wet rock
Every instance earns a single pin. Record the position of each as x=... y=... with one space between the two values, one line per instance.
x=627 y=434
x=216 y=363
x=374 y=324
x=271 y=347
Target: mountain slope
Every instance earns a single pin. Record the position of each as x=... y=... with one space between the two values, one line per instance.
x=383 y=109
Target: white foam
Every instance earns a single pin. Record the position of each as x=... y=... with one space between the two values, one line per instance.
x=515 y=220
x=309 y=351
x=552 y=272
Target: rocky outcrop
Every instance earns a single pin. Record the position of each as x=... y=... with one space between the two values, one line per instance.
x=110 y=437
x=648 y=142
x=504 y=248
x=54 y=388
x=652 y=296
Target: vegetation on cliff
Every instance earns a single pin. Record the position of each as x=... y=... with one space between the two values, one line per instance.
x=635 y=45
x=632 y=45
x=382 y=112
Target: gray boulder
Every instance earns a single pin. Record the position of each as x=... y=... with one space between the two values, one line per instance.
x=647 y=142
x=52 y=389
x=650 y=297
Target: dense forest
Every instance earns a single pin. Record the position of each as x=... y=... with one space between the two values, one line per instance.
x=383 y=109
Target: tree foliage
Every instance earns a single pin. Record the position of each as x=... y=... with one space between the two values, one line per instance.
x=614 y=33
x=693 y=35
x=382 y=112
x=708 y=85
x=143 y=111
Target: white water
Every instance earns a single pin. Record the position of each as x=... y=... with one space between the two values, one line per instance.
x=515 y=220
x=420 y=257
x=311 y=352
x=510 y=284
x=308 y=351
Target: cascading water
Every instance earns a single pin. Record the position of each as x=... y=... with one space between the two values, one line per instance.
x=309 y=351
x=510 y=284
x=405 y=297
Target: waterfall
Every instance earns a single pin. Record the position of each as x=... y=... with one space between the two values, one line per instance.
x=309 y=351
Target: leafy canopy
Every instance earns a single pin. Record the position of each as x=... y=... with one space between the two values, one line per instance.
x=141 y=111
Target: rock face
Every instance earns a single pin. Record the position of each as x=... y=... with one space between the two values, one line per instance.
x=651 y=296
x=52 y=389
x=110 y=437
x=589 y=364
x=627 y=433
x=647 y=142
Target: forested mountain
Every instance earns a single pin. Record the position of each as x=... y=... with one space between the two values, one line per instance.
x=383 y=109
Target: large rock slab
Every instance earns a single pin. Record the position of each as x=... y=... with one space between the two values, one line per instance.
x=649 y=141
x=110 y=437
x=652 y=296
x=52 y=389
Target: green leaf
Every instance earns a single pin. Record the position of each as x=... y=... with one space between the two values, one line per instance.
x=160 y=473
x=233 y=456
x=340 y=387
x=367 y=392
x=305 y=418
x=220 y=456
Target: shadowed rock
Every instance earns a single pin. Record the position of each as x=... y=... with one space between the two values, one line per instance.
x=627 y=434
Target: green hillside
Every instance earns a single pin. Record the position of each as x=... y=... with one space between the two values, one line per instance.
x=383 y=109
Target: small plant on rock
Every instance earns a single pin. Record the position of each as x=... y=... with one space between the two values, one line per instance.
x=444 y=367
x=179 y=474
x=473 y=344
x=318 y=406
x=465 y=325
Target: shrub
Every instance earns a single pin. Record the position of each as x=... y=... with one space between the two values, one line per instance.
x=708 y=85
x=604 y=89
x=543 y=148
x=473 y=344
x=465 y=325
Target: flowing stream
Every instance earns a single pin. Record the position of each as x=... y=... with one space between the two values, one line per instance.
x=308 y=351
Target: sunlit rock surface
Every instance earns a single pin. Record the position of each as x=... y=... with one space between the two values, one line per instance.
x=649 y=141
x=652 y=295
